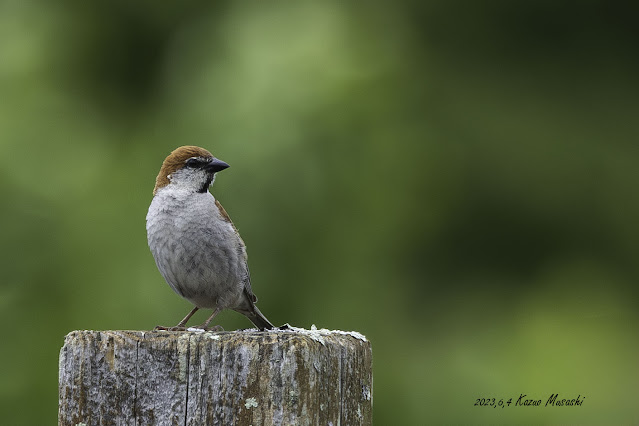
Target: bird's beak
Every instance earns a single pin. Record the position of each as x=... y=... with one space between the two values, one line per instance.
x=216 y=165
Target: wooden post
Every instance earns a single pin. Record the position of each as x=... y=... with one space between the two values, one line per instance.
x=282 y=377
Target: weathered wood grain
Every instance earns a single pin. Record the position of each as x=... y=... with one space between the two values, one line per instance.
x=202 y=378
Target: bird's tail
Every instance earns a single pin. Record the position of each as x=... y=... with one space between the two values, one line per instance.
x=258 y=318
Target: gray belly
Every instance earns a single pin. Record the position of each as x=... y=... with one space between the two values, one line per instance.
x=204 y=268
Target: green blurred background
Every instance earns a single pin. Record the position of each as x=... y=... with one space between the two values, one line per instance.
x=457 y=180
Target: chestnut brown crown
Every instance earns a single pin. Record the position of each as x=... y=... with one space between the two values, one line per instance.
x=176 y=160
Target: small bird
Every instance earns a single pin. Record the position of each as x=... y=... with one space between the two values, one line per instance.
x=196 y=247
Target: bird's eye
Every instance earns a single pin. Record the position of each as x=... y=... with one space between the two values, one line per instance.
x=192 y=163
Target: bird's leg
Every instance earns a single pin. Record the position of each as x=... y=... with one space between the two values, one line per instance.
x=181 y=324
x=206 y=323
x=188 y=316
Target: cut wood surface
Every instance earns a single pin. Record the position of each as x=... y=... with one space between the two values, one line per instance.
x=283 y=377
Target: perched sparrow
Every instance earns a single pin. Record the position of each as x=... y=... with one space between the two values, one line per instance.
x=196 y=247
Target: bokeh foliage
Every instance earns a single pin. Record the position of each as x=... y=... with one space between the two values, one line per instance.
x=455 y=179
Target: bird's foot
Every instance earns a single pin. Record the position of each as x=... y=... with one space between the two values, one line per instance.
x=214 y=328
x=176 y=328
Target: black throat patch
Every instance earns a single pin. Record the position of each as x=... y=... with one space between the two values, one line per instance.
x=206 y=184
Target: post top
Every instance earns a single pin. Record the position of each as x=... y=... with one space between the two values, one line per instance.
x=315 y=334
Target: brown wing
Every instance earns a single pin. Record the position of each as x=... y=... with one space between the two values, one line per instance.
x=247 y=281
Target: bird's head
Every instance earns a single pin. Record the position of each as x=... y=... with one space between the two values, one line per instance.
x=189 y=167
